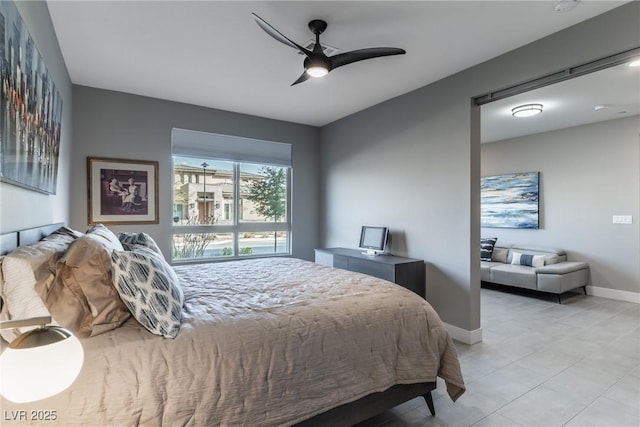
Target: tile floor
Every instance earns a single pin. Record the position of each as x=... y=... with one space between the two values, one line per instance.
x=541 y=364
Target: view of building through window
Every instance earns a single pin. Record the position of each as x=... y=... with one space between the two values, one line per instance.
x=229 y=209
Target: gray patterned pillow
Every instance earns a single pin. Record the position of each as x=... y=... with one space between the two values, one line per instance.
x=150 y=289
x=132 y=241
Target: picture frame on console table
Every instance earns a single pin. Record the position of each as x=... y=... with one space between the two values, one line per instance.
x=122 y=191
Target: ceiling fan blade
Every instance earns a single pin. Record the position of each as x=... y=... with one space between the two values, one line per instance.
x=362 y=54
x=304 y=77
x=278 y=35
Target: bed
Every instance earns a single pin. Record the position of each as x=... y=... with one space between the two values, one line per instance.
x=262 y=342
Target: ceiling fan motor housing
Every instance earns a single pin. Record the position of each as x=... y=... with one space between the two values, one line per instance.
x=317 y=26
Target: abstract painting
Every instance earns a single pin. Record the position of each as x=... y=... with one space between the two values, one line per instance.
x=30 y=109
x=510 y=201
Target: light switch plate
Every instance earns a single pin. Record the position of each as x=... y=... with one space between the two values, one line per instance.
x=622 y=219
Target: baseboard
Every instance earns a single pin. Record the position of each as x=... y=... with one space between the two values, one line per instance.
x=613 y=294
x=464 y=336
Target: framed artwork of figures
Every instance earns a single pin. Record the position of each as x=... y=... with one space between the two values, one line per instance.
x=122 y=191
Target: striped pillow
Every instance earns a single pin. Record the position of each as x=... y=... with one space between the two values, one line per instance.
x=486 y=248
x=528 y=260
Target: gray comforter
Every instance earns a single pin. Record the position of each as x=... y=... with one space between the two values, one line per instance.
x=263 y=342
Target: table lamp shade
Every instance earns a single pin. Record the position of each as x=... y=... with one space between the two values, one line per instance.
x=39 y=364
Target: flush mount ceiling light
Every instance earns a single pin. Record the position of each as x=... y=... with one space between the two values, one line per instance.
x=526 y=110
x=635 y=63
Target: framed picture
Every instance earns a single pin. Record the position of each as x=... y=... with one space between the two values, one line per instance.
x=122 y=191
x=30 y=109
x=510 y=201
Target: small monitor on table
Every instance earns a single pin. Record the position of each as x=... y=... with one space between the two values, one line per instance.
x=373 y=238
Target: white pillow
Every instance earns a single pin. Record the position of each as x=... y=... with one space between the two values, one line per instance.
x=529 y=260
x=21 y=300
x=22 y=291
x=150 y=289
x=26 y=272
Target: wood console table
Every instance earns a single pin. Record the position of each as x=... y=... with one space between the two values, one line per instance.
x=406 y=272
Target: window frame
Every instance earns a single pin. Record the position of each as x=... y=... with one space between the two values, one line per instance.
x=238 y=227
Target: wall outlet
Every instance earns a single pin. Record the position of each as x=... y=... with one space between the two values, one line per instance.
x=622 y=219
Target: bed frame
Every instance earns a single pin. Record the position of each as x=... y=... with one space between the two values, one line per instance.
x=10 y=241
x=341 y=416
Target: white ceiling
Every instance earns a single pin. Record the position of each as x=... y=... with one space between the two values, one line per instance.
x=569 y=103
x=212 y=53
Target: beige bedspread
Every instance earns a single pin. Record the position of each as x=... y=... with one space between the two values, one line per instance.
x=263 y=342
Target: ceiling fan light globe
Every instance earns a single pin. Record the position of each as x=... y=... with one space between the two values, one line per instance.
x=317 y=71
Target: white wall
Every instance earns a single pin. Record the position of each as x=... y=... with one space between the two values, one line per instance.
x=120 y=125
x=22 y=208
x=413 y=163
x=587 y=174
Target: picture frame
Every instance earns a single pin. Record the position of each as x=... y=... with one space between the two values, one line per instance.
x=122 y=191
x=30 y=109
x=510 y=200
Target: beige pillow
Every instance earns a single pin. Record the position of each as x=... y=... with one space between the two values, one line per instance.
x=22 y=269
x=81 y=296
x=108 y=235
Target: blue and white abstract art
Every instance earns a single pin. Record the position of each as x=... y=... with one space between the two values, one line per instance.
x=509 y=201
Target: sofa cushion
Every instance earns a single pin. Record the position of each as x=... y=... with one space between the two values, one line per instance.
x=563 y=267
x=486 y=248
x=485 y=270
x=514 y=275
x=562 y=277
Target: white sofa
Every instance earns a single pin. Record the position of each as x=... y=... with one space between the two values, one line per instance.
x=556 y=275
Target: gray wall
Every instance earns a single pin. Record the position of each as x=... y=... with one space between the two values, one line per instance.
x=119 y=125
x=413 y=163
x=21 y=208
x=587 y=174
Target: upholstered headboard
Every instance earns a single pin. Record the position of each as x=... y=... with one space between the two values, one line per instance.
x=10 y=241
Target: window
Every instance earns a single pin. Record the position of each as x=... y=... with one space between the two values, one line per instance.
x=229 y=208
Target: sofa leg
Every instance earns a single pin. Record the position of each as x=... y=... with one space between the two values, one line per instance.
x=559 y=298
x=584 y=289
x=429 y=399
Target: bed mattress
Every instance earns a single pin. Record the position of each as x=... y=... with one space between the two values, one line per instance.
x=264 y=342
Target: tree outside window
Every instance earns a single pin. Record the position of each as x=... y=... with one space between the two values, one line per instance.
x=269 y=195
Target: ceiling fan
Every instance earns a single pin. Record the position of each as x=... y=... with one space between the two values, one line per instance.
x=316 y=63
